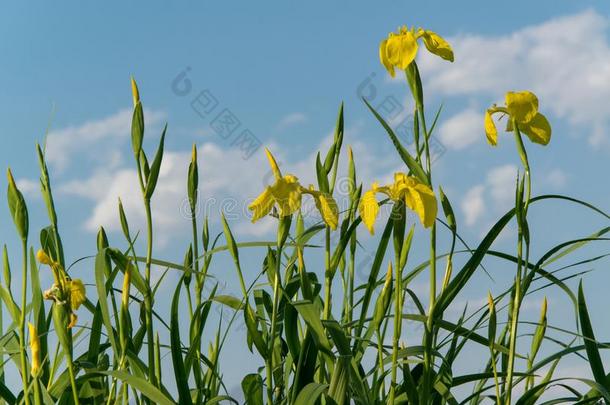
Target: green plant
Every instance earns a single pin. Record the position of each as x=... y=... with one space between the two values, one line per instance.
x=315 y=347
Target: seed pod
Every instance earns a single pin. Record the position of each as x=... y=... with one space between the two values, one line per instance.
x=123 y=218
x=193 y=180
x=188 y=265
x=17 y=207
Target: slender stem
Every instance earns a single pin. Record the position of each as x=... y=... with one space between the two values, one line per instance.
x=350 y=298
x=276 y=293
x=521 y=238
x=198 y=283
x=37 y=393
x=429 y=330
x=199 y=287
x=72 y=378
x=148 y=297
x=24 y=288
x=380 y=360
x=327 y=276
x=514 y=322
x=397 y=326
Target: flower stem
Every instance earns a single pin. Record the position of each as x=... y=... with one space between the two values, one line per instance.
x=148 y=297
x=276 y=293
x=24 y=288
x=520 y=239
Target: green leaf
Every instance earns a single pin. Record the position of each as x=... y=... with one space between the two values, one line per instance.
x=321 y=175
x=141 y=385
x=595 y=360
x=339 y=381
x=311 y=316
x=155 y=167
x=310 y=394
x=100 y=282
x=411 y=163
x=447 y=210
x=229 y=301
x=339 y=337
x=252 y=386
x=176 y=350
x=11 y=306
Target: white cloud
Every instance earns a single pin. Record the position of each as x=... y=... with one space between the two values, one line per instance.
x=565 y=61
x=497 y=192
x=291 y=120
x=28 y=187
x=501 y=181
x=228 y=183
x=473 y=204
x=64 y=144
x=462 y=129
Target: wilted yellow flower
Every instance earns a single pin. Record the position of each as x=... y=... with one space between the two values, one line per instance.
x=35 y=348
x=287 y=193
x=73 y=319
x=522 y=108
x=417 y=196
x=76 y=290
x=43 y=258
x=399 y=49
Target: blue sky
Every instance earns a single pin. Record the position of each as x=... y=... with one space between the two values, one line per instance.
x=282 y=70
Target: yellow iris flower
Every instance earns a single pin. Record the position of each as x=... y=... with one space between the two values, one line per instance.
x=522 y=107
x=287 y=193
x=399 y=49
x=35 y=348
x=417 y=196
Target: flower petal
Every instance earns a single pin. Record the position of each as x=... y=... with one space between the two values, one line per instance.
x=538 y=129
x=401 y=49
x=327 y=206
x=261 y=205
x=437 y=45
x=521 y=105
x=369 y=208
x=76 y=289
x=73 y=319
x=287 y=194
x=422 y=200
x=274 y=167
x=490 y=129
x=383 y=56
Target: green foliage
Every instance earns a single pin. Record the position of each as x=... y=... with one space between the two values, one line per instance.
x=319 y=342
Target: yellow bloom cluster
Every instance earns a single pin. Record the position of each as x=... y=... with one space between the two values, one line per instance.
x=64 y=290
x=399 y=49
x=417 y=196
x=287 y=193
x=522 y=108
